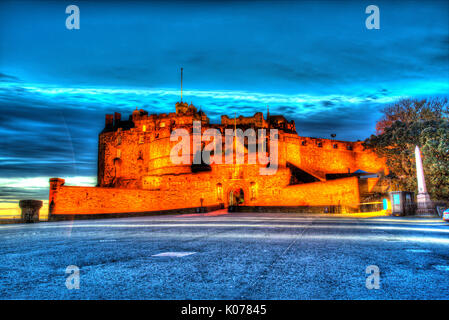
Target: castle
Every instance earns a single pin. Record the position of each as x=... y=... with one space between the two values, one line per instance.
x=137 y=176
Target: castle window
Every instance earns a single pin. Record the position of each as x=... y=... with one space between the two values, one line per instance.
x=144 y=128
x=303 y=143
x=349 y=147
x=117 y=167
x=319 y=144
x=219 y=191
x=253 y=190
x=335 y=146
x=141 y=139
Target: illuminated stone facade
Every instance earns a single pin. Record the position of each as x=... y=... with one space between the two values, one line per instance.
x=137 y=175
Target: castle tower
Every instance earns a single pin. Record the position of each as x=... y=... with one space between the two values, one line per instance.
x=55 y=186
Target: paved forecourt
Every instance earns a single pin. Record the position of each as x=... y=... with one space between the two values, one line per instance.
x=223 y=255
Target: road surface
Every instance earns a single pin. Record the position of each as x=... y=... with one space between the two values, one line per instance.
x=227 y=256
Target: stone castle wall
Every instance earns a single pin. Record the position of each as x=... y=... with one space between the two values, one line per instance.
x=96 y=200
x=321 y=156
x=256 y=120
x=130 y=155
x=344 y=192
x=203 y=192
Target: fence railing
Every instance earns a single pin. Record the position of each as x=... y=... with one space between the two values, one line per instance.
x=371 y=206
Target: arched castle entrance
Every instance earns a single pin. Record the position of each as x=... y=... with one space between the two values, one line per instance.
x=237 y=194
x=236 y=197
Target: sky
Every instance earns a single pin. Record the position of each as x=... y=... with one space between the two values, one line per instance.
x=312 y=61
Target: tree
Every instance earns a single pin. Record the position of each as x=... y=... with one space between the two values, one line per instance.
x=435 y=146
x=409 y=123
x=410 y=110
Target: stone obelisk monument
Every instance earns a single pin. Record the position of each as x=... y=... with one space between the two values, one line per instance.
x=425 y=205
